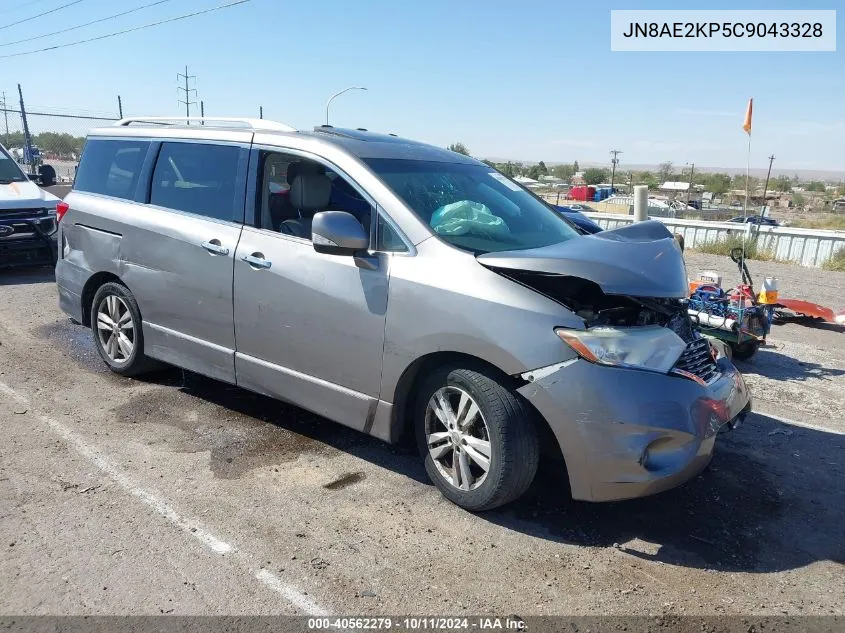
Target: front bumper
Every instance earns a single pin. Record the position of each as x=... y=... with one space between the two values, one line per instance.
x=32 y=242
x=626 y=433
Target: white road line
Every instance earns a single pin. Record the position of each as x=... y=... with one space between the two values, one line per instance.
x=287 y=591
x=294 y=596
x=806 y=425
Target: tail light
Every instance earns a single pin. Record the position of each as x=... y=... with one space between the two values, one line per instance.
x=61 y=209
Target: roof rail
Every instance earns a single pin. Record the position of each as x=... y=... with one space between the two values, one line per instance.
x=254 y=124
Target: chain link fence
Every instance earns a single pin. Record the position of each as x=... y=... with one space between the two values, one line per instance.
x=56 y=134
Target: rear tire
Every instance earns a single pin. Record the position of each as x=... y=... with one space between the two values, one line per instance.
x=118 y=335
x=476 y=436
x=47 y=175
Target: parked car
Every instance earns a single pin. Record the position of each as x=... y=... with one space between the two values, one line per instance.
x=584 y=224
x=755 y=219
x=397 y=288
x=27 y=218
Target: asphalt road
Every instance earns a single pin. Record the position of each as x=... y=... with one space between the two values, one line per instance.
x=179 y=494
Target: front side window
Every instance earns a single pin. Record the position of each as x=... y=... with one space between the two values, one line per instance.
x=293 y=189
x=472 y=206
x=198 y=178
x=9 y=170
x=111 y=167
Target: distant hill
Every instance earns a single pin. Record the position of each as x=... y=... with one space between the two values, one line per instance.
x=803 y=174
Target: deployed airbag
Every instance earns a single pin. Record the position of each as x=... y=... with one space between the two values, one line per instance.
x=466 y=216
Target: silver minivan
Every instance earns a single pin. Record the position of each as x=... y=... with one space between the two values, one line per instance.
x=399 y=289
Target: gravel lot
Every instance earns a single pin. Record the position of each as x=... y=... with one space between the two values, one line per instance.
x=178 y=494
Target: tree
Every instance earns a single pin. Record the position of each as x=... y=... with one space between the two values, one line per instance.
x=798 y=199
x=781 y=183
x=716 y=183
x=460 y=148
x=596 y=175
x=489 y=163
x=508 y=169
x=575 y=166
x=544 y=171
x=534 y=172
x=816 y=186
x=664 y=172
x=564 y=171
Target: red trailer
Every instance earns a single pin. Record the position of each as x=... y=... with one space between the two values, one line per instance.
x=582 y=193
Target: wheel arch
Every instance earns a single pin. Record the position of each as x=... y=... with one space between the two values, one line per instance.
x=402 y=418
x=90 y=288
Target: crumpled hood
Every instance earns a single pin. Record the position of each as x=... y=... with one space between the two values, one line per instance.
x=641 y=259
x=25 y=195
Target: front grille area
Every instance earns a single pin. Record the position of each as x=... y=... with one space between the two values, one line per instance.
x=697 y=360
x=11 y=214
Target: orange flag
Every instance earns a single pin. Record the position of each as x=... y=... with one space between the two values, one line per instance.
x=747 y=125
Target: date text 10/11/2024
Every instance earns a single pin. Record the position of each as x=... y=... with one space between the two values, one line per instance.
x=430 y=623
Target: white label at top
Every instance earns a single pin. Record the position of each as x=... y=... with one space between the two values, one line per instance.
x=723 y=30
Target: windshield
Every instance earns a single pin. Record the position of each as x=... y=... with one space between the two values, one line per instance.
x=473 y=207
x=9 y=170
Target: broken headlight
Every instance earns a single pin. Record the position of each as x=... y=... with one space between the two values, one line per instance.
x=653 y=348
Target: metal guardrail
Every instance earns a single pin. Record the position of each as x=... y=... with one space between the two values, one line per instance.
x=808 y=247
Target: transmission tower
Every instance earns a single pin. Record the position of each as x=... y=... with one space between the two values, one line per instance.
x=187 y=90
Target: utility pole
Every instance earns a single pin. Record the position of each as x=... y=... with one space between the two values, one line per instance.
x=28 y=157
x=613 y=161
x=187 y=90
x=766 y=186
x=202 y=111
x=5 y=116
x=689 y=184
x=119 y=107
x=260 y=112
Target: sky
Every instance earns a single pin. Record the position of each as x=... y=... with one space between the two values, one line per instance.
x=524 y=81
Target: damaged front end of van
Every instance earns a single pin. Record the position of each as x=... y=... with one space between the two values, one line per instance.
x=637 y=407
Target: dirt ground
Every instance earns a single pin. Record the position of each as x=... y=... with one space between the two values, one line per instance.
x=178 y=494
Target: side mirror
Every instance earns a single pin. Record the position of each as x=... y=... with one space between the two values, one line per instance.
x=338 y=233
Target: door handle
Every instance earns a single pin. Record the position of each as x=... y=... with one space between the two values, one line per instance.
x=256 y=260
x=215 y=248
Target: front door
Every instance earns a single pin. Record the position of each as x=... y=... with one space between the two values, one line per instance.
x=309 y=327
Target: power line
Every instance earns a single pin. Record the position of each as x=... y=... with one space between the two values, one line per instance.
x=25 y=4
x=79 y=26
x=137 y=28
x=64 y=6
x=60 y=116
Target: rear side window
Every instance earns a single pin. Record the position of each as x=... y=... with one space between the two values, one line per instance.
x=197 y=178
x=111 y=168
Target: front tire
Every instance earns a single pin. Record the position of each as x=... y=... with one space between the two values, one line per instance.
x=116 y=325
x=477 y=437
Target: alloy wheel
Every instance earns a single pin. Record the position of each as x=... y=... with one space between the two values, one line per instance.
x=115 y=329
x=457 y=437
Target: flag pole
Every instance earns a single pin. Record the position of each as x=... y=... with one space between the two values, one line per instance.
x=746 y=126
x=747 y=177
